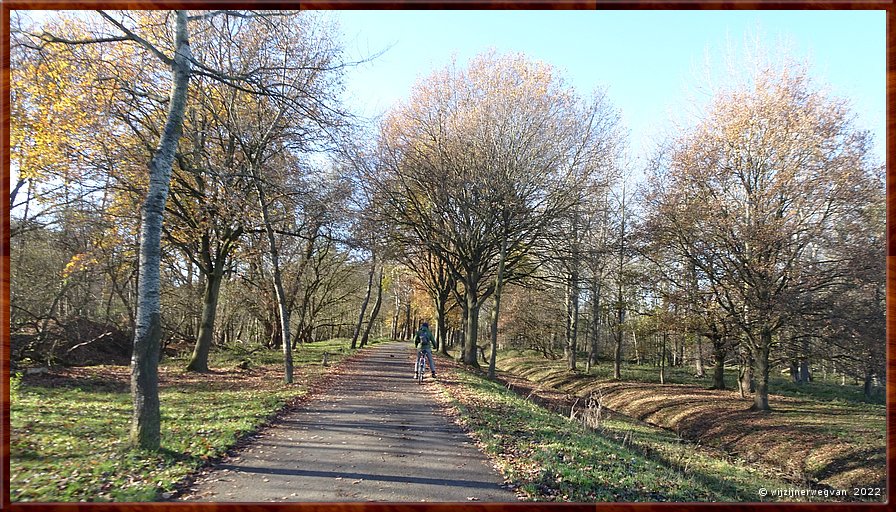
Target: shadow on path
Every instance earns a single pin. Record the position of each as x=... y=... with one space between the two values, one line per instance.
x=374 y=435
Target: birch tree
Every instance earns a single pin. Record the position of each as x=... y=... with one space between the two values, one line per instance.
x=163 y=37
x=145 y=426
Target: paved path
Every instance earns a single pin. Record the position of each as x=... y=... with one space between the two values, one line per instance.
x=375 y=435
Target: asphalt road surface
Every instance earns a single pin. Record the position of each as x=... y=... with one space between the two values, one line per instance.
x=374 y=435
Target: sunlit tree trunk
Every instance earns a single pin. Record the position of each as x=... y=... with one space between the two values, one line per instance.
x=760 y=398
x=277 y=279
x=746 y=382
x=698 y=356
x=146 y=423
x=595 y=321
x=572 y=319
x=620 y=305
x=663 y=358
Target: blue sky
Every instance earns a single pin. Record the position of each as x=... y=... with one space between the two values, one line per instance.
x=648 y=61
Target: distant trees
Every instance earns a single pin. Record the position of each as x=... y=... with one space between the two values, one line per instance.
x=480 y=164
x=739 y=248
x=752 y=196
x=853 y=329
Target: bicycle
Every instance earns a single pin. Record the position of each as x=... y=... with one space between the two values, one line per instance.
x=419 y=367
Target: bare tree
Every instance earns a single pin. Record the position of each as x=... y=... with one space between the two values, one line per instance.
x=357 y=330
x=485 y=158
x=622 y=269
x=288 y=108
x=753 y=190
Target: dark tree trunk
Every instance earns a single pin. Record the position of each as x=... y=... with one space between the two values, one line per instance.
x=364 y=303
x=199 y=361
x=795 y=371
x=462 y=333
x=805 y=375
x=868 y=387
x=718 y=375
x=760 y=399
x=471 y=332
x=376 y=310
x=272 y=331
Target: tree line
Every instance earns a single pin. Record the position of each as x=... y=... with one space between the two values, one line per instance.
x=189 y=180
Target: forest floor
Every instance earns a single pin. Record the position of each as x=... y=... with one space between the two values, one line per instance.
x=826 y=444
x=373 y=435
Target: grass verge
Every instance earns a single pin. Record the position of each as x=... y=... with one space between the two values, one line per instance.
x=826 y=440
x=69 y=428
x=550 y=458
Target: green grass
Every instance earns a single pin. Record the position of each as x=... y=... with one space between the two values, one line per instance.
x=71 y=444
x=69 y=441
x=819 y=431
x=554 y=459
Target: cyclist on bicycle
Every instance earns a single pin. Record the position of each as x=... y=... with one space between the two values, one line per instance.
x=425 y=340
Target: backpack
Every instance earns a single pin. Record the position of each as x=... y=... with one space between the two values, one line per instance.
x=423 y=335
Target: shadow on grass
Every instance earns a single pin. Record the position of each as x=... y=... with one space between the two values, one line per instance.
x=857 y=461
x=59 y=379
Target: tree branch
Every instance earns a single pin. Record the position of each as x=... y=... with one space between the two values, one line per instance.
x=139 y=40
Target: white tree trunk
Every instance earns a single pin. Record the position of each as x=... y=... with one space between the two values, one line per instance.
x=146 y=422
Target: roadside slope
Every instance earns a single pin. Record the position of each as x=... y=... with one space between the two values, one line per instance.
x=834 y=444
